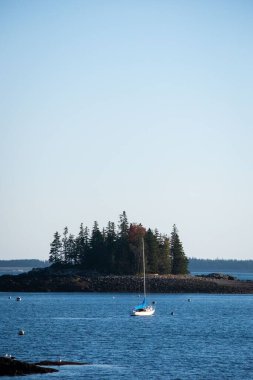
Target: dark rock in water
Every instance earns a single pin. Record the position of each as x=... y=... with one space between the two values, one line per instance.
x=12 y=367
x=219 y=276
x=59 y=362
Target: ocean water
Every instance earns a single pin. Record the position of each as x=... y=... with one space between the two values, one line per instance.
x=208 y=337
x=13 y=271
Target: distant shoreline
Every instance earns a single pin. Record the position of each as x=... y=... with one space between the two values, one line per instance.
x=195 y=265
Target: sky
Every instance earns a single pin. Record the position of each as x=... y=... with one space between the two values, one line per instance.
x=138 y=106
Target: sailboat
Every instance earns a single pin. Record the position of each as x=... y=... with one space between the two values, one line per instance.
x=143 y=309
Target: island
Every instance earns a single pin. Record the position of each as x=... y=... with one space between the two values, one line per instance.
x=51 y=279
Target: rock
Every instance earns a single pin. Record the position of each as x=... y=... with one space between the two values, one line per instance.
x=59 y=362
x=219 y=276
x=13 y=367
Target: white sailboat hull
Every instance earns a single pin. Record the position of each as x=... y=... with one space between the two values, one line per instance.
x=143 y=313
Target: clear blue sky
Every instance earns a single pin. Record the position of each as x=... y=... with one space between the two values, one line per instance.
x=142 y=106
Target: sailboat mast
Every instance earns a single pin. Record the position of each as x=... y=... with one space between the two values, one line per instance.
x=144 y=272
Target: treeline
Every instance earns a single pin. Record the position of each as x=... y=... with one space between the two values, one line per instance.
x=28 y=263
x=118 y=250
x=220 y=265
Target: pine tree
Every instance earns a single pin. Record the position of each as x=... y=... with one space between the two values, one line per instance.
x=55 y=255
x=70 y=255
x=135 y=236
x=82 y=246
x=123 y=226
x=165 y=262
x=179 y=260
x=122 y=265
x=151 y=252
x=97 y=252
x=65 y=245
x=110 y=247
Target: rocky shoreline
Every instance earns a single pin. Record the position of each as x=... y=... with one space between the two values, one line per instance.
x=11 y=367
x=69 y=280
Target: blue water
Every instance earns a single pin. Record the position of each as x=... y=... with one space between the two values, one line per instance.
x=13 y=270
x=209 y=338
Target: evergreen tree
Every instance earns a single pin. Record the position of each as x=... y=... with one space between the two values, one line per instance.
x=179 y=260
x=70 y=255
x=122 y=265
x=55 y=255
x=110 y=247
x=123 y=226
x=86 y=246
x=165 y=262
x=65 y=245
x=82 y=246
x=135 y=236
x=151 y=252
x=97 y=253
